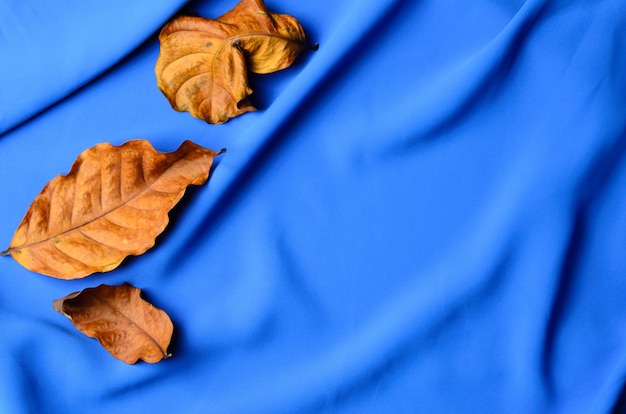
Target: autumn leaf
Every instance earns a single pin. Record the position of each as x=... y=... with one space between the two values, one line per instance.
x=127 y=326
x=112 y=204
x=203 y=63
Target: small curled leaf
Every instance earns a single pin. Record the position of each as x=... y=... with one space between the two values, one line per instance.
x=127 y=326
x=203 y=63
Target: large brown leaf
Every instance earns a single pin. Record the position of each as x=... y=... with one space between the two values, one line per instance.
x=125 y=325
x=203 y=63
x=112 y=204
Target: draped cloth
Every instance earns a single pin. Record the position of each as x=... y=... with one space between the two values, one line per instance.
x=425 y=215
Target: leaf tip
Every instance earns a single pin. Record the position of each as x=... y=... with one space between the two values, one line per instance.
x=57 y=305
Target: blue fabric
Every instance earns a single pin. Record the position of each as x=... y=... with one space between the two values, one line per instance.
x=426 y=215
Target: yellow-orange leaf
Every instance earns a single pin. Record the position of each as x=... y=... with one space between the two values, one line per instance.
x=125 y=325
x=203 y=63
x=112 y=204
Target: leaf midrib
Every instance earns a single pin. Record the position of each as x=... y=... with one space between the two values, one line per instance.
x=96 y=218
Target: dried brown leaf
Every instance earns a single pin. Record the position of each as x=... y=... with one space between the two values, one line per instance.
x=203 y=63
x=112 y=204
x=127 y=326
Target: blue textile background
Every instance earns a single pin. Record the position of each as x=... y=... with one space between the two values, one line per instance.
x=426 y=215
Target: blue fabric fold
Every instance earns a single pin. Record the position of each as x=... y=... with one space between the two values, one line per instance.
x=50 y=49
x=427 y=214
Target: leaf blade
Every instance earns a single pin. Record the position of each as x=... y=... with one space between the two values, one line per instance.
x=126 y=325
x=203 y=63
x=68 y=236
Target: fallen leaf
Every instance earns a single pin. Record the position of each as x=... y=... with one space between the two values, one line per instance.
x=125 y=325
x=203 y=63
x=112 y=204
